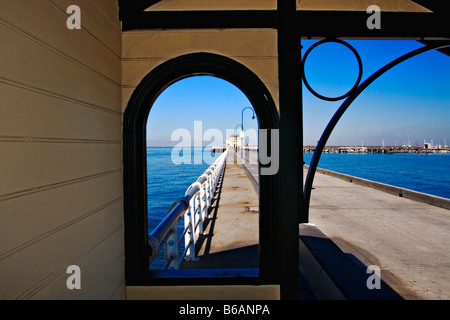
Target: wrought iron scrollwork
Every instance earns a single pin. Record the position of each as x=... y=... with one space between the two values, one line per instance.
x=350 y=96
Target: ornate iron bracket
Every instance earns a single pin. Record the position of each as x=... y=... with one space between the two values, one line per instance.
x=350 y=96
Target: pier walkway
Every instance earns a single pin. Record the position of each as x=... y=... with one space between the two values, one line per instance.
x=407 y=239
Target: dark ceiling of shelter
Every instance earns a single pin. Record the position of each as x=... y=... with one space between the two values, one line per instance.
x=323 y=22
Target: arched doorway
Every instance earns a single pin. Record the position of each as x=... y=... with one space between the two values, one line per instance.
x=134 y=153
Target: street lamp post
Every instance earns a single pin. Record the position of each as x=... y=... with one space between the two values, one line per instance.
x=235 y=136
x=242 y=116
x=242 y=125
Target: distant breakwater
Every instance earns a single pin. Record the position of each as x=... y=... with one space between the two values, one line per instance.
x=379 y=149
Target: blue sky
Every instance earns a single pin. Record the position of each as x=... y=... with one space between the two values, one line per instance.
x=409 y=103
x=215 y=102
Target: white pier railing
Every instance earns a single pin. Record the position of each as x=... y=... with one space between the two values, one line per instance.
x=194 y=207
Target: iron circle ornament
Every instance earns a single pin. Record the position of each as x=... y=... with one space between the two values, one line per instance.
x=360 y=69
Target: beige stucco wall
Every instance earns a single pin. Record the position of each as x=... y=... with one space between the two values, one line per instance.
x=60 y=150
x=144 y=50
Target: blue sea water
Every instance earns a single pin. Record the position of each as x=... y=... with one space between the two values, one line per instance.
x=427 y=173
x=168 y=181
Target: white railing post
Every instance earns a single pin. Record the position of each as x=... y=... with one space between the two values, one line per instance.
x=198 y=212
x=193 y=211
x=208 y=191
x=202 y=204
x=189 y=237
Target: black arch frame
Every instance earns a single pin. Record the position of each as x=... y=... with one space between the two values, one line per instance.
x=134 y=158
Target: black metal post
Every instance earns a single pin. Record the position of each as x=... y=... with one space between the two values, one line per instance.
x=290 y=173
